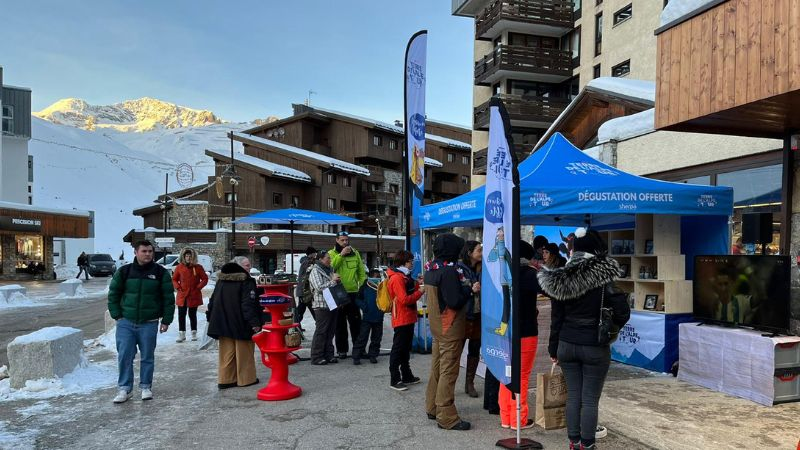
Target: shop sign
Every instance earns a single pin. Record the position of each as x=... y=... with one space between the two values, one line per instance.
x=20 y=224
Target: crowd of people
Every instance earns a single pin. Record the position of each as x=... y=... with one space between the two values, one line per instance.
x=581 y=291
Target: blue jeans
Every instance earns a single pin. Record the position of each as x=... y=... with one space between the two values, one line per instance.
x=585 y=368
x=129 y=337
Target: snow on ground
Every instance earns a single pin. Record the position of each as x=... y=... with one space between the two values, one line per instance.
x=627 y=127
x=678 y=8
x=18 y=440
x=86 y=378
x=19 y=300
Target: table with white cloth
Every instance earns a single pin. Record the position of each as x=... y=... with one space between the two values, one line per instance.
x=737 y=361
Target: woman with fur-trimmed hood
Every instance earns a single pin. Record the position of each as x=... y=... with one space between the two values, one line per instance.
x=577 y=291
x=234 y=315
x=189 y=278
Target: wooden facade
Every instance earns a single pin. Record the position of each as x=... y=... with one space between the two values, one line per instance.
x=59 y=225
x=731 y=69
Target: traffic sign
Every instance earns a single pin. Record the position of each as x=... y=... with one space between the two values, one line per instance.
x=251 y=242
x=165 y=240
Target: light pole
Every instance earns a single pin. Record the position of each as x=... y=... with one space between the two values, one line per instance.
x=230 y=172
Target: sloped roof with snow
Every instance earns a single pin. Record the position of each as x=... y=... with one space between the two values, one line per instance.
x=396 y=129
x=433 y=162
x=627 y=127
x=24 y=207
x=295 y=151
x=273 y=169
x=625 y=87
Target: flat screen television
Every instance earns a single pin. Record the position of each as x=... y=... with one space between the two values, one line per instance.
x=743 y=290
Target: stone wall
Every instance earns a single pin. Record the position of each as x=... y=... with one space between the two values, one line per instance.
x=186 y=217
x=8 y=250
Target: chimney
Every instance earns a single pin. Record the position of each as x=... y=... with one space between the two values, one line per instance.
x=300 y=108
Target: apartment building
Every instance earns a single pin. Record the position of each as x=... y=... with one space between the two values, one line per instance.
x=536 y=55
x=316 y=159
x=15 y=184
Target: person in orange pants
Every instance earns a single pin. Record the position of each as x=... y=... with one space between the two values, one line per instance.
x=529 y=332
x=508 y=404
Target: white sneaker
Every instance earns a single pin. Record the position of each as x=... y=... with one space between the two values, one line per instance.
x=147 y=394
x=600 y=432
x=122 y=396
x=181 y=336
x=194 y=335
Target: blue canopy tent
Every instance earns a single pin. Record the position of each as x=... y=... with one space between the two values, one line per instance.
x=563 y=186
x=292 y=217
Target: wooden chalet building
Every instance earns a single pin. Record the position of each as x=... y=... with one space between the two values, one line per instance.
x=320 y=160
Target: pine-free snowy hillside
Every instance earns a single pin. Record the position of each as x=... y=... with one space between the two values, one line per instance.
x=84 y=170
x=143 y=114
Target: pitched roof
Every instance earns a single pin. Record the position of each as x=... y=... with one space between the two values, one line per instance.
x=288 y=150
x=266 y=167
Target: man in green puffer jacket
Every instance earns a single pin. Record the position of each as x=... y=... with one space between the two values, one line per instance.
x=140 y=294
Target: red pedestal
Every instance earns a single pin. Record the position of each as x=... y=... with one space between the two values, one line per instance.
x=271 y=290
x=272 y=344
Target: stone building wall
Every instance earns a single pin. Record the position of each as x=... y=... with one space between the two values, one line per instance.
x=189 y=217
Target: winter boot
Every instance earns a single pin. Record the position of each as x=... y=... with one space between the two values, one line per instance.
x=194 y=335
x=469 y=382
x=181 y=336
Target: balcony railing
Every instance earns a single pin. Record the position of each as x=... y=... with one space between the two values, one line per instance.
x=549 y=13
x=529 y=60
x=375 y=174
x=446 y=187
x=382 y=197
x=524 y=108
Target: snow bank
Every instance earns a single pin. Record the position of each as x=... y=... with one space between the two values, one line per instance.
x=676 y=9
x=18 y=300
x=65 y=272
x=73 y=281
x=87 y=377
x=45 y=334
x=640 y=89
x=627 y=127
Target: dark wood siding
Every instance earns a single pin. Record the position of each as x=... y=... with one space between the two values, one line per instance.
x=20 y=99
x=53 y=224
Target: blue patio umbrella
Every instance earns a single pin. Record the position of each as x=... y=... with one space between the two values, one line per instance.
x=292 y=217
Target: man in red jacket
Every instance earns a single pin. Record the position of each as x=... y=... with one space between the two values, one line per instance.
x=404 y=292
x=189 y=278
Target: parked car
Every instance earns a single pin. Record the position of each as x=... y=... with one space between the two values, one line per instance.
x=101 y=264
x=172 y=261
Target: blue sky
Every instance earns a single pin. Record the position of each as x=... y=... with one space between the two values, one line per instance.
x=242 y=60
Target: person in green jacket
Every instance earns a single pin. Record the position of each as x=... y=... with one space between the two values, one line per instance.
x=347 y=263
x=140 y=294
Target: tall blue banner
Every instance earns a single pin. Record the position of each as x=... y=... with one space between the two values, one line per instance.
x=500 y=245
x=415 y=141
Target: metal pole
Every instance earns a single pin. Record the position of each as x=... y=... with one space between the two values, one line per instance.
x=233 y=202
x=291 y=244
x=519 y=438
x=166 y=222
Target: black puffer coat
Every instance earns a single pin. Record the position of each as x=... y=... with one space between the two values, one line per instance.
x=234 y=308
x=576 y=291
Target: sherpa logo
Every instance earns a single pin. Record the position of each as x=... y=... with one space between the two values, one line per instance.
x=576 y=168
x=151 y=276
x=706 y=201
x=496 y=352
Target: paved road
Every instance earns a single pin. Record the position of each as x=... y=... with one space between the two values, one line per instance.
x=85 y=314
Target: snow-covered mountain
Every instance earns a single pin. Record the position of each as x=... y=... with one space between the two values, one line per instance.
x=143 y=114
x=113 y=173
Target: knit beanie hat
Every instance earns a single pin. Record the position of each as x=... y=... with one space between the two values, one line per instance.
x=539 y=242
x=589 y=241
x=525 y=250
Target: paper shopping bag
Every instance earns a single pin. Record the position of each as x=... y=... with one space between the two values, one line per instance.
x=551 y=400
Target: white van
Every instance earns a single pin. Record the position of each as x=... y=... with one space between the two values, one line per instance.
x=174 y=260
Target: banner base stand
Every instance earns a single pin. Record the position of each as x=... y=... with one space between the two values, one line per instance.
x=513 y=444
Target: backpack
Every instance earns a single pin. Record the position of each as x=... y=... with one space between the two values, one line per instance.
x=382 y=299
x=306 y=293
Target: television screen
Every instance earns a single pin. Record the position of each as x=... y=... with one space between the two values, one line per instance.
x=746 y=290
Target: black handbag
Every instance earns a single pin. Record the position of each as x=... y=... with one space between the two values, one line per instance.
x=340 y=295
x=605 y=328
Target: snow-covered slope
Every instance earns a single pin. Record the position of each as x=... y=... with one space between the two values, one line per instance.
x=182 y=145
x=132 y=115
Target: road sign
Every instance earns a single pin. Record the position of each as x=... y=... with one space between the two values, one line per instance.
x=165 y=240
x=264 y=240
x=251 y=241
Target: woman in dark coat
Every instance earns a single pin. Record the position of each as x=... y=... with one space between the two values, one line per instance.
x=470 y=264
x=234 y=315
x=577 y=291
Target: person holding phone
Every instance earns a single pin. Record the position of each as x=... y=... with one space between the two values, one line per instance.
x=347 y=262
